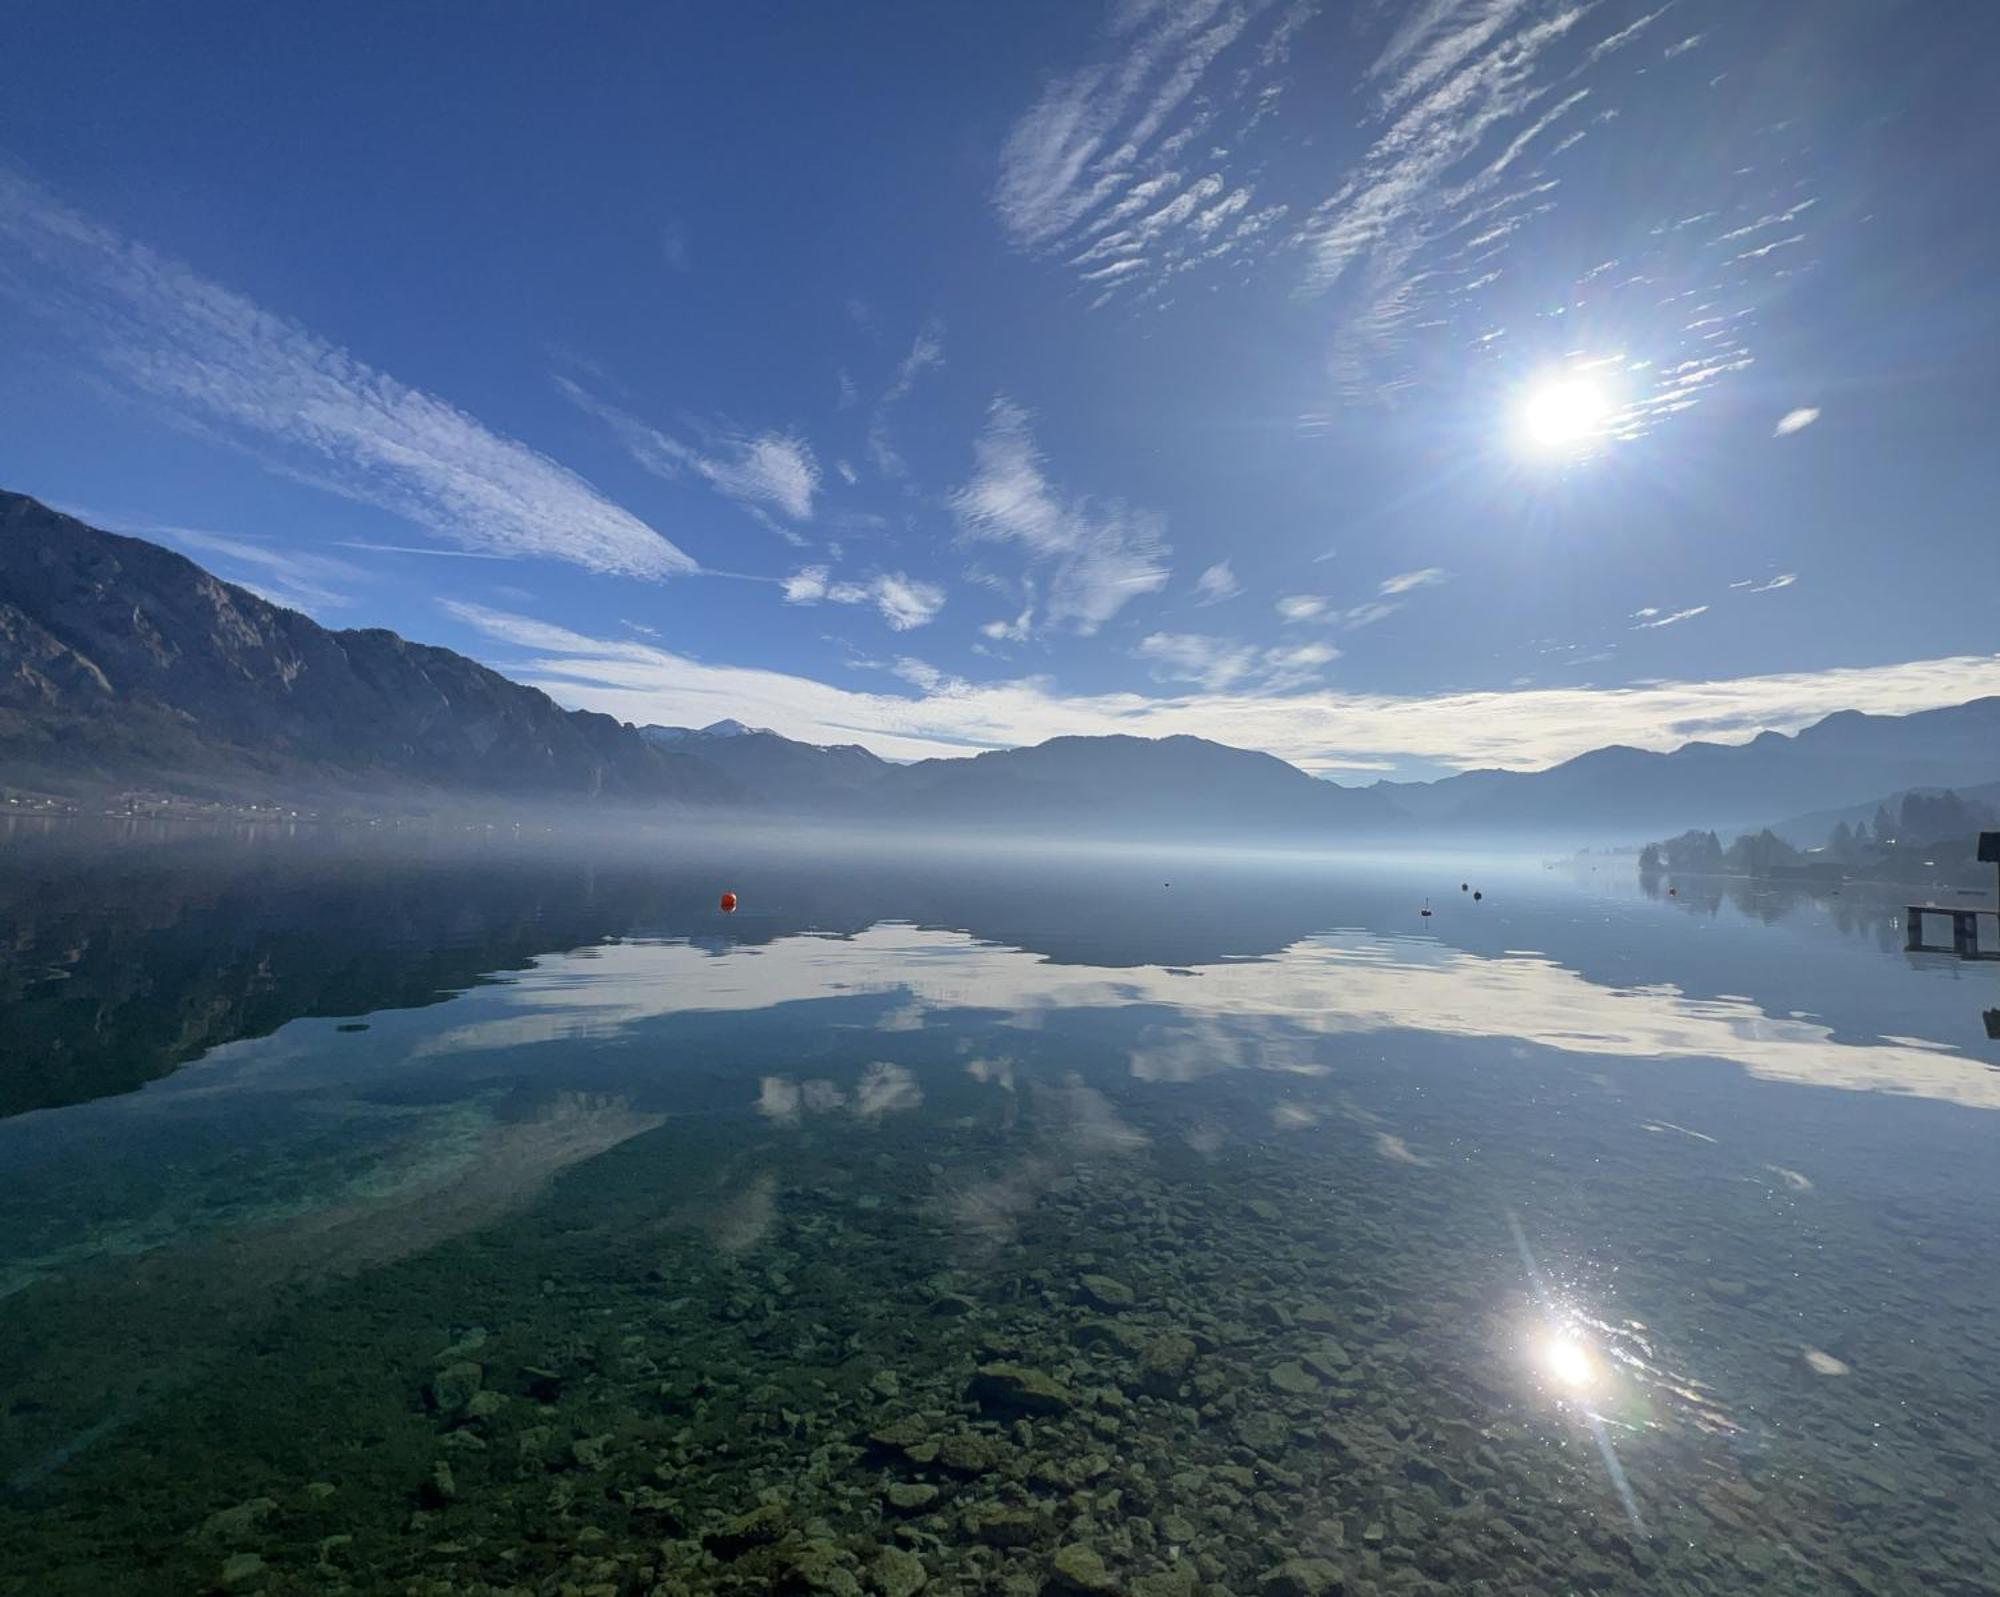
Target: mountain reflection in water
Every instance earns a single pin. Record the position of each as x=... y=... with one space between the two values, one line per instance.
x=1297 y=1227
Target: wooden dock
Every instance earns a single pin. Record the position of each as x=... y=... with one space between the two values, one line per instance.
x=1964 y=922
x=1965 y=940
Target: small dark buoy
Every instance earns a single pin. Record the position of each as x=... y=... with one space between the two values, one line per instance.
x=1673 y=892
x=729 y=903
x=1426 y=910
x=1476 y=897
x=1461 y=887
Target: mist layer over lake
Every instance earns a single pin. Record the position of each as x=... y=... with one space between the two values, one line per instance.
x=476 y=1212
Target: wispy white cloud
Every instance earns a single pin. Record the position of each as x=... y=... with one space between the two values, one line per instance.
x=1217 y=663
x=1302 y=606
x=307 y=407
x=1652 y=616
x=1410 y=581
x=1783 y=579
x=1101 y=170
x=1192 y=657
x=767 y=471
x=1095 y=556
x=905 y=602
x=1215 y=584
x=1476 y=104
x=1325 y=729
x=926 y=354
x=1794 y=421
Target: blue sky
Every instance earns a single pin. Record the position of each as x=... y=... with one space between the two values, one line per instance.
x=939 y=377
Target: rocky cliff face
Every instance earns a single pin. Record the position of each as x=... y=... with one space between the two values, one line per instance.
x=122 y=661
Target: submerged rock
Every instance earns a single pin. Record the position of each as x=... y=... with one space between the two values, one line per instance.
x=1291 y=1378
x=1078 y=1567
x=1300 y=1577
x=240 y=1570
x=910 y=1497
x=230 y=1527
x=897 y=1573
x=1164 y=1364
x=998 y=1525
x=1016 y=1388
x=1105 y=1292
x=760 y=1527
x=454 y=1386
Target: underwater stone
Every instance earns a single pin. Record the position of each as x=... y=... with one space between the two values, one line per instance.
x=1109 y=1333
x=1300 y=1577
x=757 y=1528
x=1263 y=1431
x=910 y=1497
x=1000 y=1526
x=1014 y=1387
x=1106 y=1293
x=1292 y=1379
x=896 y=1573
x=441 y=1487
x=1165 y=1362
x=1177 y=1580
x=1077 y=1566
x=229 y=1526
x=454 y=1386
x=969 y=1453
x=240 y=1569
x=485 y=1404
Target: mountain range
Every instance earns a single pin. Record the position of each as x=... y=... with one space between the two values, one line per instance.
x=126 y=666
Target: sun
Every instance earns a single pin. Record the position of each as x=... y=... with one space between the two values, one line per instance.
x=1563 y=414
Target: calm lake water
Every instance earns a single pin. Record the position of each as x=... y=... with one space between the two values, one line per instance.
x=471 y=1213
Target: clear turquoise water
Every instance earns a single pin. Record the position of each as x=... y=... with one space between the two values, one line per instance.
x=1009 y=1223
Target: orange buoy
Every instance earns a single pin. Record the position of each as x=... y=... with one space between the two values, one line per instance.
x=729 y=903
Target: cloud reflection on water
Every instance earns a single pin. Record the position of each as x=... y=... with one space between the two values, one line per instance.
x=1270 y=1014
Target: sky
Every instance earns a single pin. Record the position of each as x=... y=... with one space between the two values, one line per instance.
x=1398 y=388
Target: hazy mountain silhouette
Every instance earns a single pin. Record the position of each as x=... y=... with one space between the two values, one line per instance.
x=122 y=662
x=1847 y=758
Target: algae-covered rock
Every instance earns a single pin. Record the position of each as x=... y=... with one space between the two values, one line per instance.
x=1262 y=1431
x=816 y=1565
x=910 y=1497
x=969 y=1453
x=1164 y=1364
x=759 y=1527
x=896 y=1572
x=1293 y=1379
x=240 y=1570
x=453 y=1387
x=1000 y=1525
x=1106 y=1292
x=1176 y=1580
x=1018 y=1389
x=1079 y=1567
x=483 y=1405
x=1300 y=1577
x=231 y=1527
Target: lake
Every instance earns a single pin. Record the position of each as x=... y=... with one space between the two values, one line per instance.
x=476 y=1211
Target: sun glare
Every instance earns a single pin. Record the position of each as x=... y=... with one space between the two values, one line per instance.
x=1567 y=1362
x=1564 y=413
